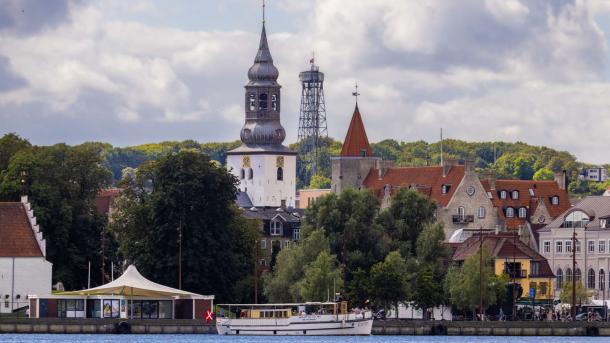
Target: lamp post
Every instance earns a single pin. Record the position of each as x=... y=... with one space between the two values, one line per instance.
x=573 y=307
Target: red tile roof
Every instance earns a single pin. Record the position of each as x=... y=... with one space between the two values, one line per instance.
x=502 y=246
x=427 y=180
x=543 y=190
x=355 y=139
x=16 y=236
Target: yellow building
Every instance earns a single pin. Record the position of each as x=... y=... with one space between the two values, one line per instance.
x=522 y=264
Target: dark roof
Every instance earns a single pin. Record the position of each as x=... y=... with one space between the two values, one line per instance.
x=502 y=246
x=16 y=235
x=243 y=200
x=543 y=191
x=290 y=215
x=427 y=180
x=104 y=198
x=596 y=206
x=355 y=139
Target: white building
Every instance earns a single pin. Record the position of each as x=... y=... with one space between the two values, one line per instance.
x=594 y=174
x=590 y=219
x=24 y=269
x=266 y=168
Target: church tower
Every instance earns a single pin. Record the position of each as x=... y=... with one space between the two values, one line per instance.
x=266 y=168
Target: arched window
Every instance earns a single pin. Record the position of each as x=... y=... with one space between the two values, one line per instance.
x=591 y=278
x=515 y=195
x=274 y=102
x=576 y=219
x=602 y=280
x=555 y=200
x=243 y=174
x=559 y=278
x=481 y=212
x=250 y=173
x=503 y=194
x=510 y=212
x=568 y=275
x=262 y=101
x=252 y=102
x=522 y=212
x=280 y=174
x=577 y=274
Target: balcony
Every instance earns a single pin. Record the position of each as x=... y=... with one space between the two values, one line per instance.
x=459 y=219
x=518 y=274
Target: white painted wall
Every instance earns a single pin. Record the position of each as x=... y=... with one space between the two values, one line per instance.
x=32 y=275
x=264 y=189
x=408 y=311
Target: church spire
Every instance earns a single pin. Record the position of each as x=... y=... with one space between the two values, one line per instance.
x=356 y=144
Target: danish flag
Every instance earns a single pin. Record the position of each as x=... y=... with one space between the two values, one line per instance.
x=209 y=316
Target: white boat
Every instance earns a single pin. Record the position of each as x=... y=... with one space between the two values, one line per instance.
x=299 y=319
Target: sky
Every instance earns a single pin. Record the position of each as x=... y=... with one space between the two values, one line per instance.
x=140 y=71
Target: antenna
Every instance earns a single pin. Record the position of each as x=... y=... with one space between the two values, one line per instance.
x=442 y=164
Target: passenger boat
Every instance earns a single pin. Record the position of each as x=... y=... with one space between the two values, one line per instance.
x=298 y=319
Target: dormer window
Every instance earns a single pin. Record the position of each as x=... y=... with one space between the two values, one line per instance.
x=522 y=212
x=363 y=152
x=510 y=212
x=252 y=102
x=274 y=102
x=262 y=101
x=445 y=189
x=515 y=195
x=555 y=200
x=503 y=194
x=603 y=223
x=276 y=228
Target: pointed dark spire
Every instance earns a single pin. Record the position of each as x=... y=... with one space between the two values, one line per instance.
x=356 y=142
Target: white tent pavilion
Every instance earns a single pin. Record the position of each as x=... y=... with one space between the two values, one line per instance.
x=129 y=296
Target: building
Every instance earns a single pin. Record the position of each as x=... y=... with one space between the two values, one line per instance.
x=129 y=296
x=594 y=174
x=590 y=220
x=306 y=197
x=266 y=169
x=104 y=201
x=521 y=263
x=465 y=202
x=24 y=269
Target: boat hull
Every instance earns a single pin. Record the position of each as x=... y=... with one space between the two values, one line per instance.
x=298 y=327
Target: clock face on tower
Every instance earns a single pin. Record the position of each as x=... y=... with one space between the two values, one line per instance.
x=470 y=190
x=279 y=162
x=245 y=162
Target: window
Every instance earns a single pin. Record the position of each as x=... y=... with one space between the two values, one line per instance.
x=543 y=288
x=522 y=212
x=531 y=191
x=252 y=102
x=481 y=212
x=559 y=246
x=555 y=200
x=591 y=245
x=274 y=102
x=363 y=152
x=577 y=274
x=75 y=308
x=568 y=246
x=263 y=244
x=577 y=245
x=601 y=246
x=110 y=308
x=535 y=268
x=603 y=223
x=503 y=194
x=510 y=212
x=276 y=228
x=591 y=278
x=296 y=234
x=243 y=174
x=546 y=247
x=489 y=195
x=602 y=280
x=515 y=195
x=262 y=262
x=250 y=173
x=559 y=274
x=151 y=309
x=461 y=212
x=576 y=219
x=568 y=275
x=262 y=101
x=286 y=243
x=280 y=174
x=445 y=189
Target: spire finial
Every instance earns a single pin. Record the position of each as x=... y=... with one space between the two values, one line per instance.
x=263 y=12
x=355 y=93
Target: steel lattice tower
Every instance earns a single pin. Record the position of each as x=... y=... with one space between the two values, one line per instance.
x=312 y=118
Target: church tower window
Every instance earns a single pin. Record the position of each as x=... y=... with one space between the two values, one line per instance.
x=252 y=102
x=274 y=102
x=243 y=174
x=363 y=152
x=280 y=174
x=250 y=174
x=262 y=101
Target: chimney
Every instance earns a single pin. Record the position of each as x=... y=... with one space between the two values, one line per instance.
x=469 y=166
x=491 y=178
x=562 y=180
x=447 y=164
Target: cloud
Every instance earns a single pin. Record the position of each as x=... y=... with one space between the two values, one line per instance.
x=532 y=71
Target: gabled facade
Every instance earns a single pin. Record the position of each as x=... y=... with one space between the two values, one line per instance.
x=24 y=269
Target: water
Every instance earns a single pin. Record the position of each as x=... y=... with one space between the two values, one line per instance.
x=51 y=338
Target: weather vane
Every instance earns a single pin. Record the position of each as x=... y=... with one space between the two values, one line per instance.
x=263 y=11
x=355 y=93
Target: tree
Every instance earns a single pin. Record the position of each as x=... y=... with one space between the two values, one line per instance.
x=582 y=295
x=321 y=278
x=464 y=283
x=10 y=144
x=544 y=174
x=431 y=254
x=389 y=281
x=428 y=288
x=319 y=182
x=429 y=246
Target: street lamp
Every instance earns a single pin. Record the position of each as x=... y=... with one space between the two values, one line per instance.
x=573 y=307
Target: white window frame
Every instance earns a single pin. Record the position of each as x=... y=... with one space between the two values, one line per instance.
x=559 y=247
x=568 y=245
x=546 y=247
x=522 y=212
x=263 y=244
x=555 y=200
x=514 y=195
x=577 y=247
x=591 y=246
x=481 y=212
x=601 y=246
x=296 y=234
x=503 y=194
x=274 y=230
x=510 y=212
x=286 y=242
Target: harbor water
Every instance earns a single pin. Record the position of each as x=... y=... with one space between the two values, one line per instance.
x=54 y=338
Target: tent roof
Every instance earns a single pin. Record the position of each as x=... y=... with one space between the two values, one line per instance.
x=132 y=283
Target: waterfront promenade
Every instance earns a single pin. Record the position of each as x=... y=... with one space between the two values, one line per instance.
x=387 y=327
